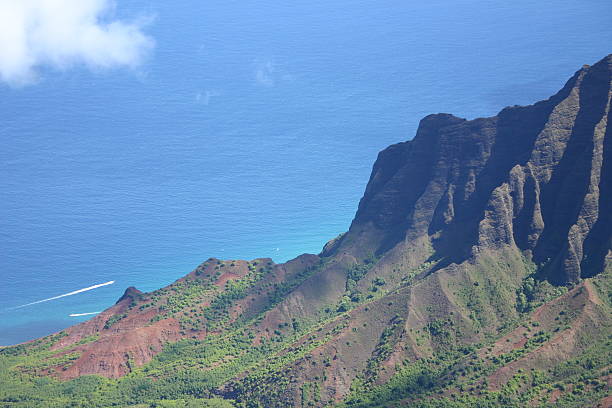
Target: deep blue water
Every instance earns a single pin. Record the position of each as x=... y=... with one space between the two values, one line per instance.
x=249 y=132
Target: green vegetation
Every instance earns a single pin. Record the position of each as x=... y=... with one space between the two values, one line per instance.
x=283 y=289
x=383 y=349
x=353 y=295
x=21 y=388
x=114 y=319
x=534 y=293
x=248 y=364
x=457 y=378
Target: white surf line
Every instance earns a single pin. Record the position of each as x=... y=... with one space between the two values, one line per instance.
x=83 y=314
x=66 y=294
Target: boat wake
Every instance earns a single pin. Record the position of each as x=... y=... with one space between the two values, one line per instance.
x=65 y=295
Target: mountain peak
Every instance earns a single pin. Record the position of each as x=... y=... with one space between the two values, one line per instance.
x=131 y=294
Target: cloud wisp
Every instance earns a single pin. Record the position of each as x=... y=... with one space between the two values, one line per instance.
x=65 y=33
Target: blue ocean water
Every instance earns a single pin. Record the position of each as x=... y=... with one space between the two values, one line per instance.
x=250 y=131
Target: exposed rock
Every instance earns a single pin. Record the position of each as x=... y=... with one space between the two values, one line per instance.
x=130 y=294
x=537 y=177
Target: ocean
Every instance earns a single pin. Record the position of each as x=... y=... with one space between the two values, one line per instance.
x=249 y=131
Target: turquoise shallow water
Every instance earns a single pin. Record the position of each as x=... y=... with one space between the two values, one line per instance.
x=249 y=132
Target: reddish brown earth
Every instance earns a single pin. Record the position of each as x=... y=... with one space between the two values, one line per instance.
x=584 y=302
x=132 y=340
x=136 y=338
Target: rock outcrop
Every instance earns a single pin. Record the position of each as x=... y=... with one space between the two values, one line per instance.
x=132 y=294
x=537 y=177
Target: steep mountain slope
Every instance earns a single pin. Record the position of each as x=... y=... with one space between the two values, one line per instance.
x=477 y=270
x=531 y=177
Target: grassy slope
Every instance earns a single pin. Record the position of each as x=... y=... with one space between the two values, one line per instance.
x=534 y=361
x=478 y=341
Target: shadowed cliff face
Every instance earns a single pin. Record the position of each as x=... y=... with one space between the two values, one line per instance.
x=537 y=177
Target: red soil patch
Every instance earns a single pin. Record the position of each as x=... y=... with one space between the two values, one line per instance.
x=560 y=347
x=113 y=354
x=135 y=338
x=605 y=402
x=227 y=276
x=554 y=396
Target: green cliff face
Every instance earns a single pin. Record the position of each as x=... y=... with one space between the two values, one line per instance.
x=477 y=272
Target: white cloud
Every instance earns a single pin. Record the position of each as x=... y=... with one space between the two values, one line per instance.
x=64 y=33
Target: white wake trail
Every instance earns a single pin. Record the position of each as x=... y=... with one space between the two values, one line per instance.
x=83 y=314
x=66 y=294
